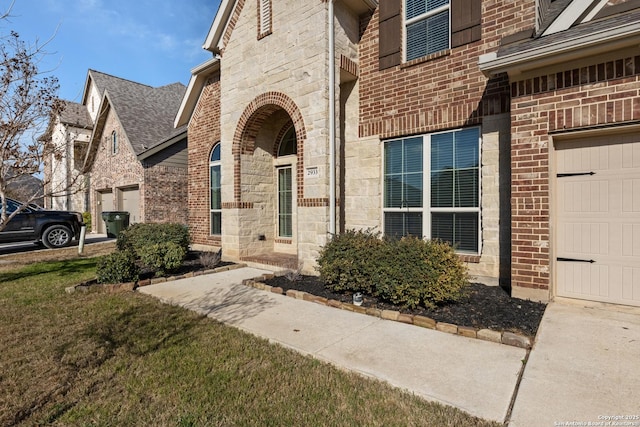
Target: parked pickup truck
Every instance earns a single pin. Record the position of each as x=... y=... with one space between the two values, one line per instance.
x=54 y=229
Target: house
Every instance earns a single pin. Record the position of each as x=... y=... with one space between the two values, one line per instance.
x=69 y=134
x=416 y=117
x=127 y=147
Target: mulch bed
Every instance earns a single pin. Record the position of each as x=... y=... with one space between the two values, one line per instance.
x=191 y=264
x=484 y=307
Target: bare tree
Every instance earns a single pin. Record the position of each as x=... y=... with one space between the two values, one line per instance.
x=28 y=101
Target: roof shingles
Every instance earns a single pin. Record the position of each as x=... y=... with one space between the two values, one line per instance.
x=146 y=113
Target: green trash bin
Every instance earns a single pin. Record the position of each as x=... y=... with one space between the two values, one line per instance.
x=116 y=221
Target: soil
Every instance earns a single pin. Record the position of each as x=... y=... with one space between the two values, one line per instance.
x=484 y=307
x=192 y=263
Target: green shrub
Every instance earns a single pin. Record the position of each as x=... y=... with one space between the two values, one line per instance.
x=86 y=218
x=118 y=267
x=139 y=235
x=420 y=272
x=162 y=257
x=408 y=272
x=349 y=260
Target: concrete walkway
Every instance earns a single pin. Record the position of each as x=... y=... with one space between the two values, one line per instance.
x=584 y=368
x=476 y=376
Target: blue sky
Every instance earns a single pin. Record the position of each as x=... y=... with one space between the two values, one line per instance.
x=155 y=42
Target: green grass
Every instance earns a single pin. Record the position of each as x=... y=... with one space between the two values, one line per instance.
x=125 y=359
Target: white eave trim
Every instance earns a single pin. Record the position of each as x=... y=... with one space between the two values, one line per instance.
x=199 y=75
x=567 y=17
x=213 y=42
x=561 y=51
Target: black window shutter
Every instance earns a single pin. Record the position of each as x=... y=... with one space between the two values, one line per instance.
x=466 y=21
x=390 y=33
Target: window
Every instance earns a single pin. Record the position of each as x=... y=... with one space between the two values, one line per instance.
x=114 y=142
x=264 y=18
x=289 y=143
x=288 y=147
x=216 y=200
x=427 y=27
x=412 y=29
x=432 y=187
x=285 y=202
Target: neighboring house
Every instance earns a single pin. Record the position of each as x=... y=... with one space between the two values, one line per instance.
x=24 y=188
x=133 y=157
x=69 y=135
x=416 y=117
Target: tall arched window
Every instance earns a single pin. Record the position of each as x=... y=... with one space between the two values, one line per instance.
x=215 y=196
x=114 y=142
x=288 y=146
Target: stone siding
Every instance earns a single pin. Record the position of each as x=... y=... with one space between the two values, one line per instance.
x=271 y=80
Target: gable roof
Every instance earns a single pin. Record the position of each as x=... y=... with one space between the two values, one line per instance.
x=145 y=113
x=595 y=34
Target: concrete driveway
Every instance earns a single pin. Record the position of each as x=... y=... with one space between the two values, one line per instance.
x=584 y=368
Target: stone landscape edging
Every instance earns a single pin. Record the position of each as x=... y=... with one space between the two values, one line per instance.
x=507 y=338
x=132 y=286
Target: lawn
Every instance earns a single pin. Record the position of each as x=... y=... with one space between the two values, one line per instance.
x=125 y=359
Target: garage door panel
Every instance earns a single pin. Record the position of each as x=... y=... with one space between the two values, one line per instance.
x=585 y=197
x=631 y=284
x=614 y=284
x=631 y=190
x=598 y=219
x=630 y=240
x=584 y=239
x=584 y=279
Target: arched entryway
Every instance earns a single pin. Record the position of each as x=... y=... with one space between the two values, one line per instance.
x=268 y=163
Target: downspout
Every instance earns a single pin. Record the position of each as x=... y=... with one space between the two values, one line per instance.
x=332 y=122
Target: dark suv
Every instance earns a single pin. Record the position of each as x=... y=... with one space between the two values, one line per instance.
x=54 y=229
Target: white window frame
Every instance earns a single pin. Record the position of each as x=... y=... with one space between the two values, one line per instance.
x=426 y=210
x=279 y=168
x=419 y=18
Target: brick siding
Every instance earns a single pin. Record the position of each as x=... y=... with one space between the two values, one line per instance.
x=203 y=134
x=165 y=196
x=594 y=95
x=441 y=91
x=112 y=171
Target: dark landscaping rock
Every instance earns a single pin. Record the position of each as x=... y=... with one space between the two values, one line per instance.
x=484 y=307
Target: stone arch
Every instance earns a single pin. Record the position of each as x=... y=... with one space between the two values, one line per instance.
x=250 y=123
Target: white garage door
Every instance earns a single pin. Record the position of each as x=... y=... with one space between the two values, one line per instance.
x=598 y=226
x=105 y=204
x=130 y=202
